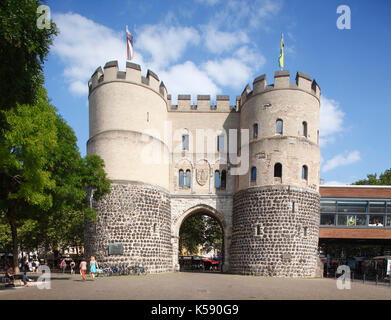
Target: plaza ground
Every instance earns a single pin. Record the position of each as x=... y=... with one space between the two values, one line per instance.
x=198 y=286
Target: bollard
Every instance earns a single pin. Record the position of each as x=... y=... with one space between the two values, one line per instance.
x=376 y=279
x=363 y=278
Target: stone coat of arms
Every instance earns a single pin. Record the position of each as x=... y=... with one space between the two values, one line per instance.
x=202 y=173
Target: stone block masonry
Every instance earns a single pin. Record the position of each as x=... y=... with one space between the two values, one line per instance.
x=275 y=232
x=138 y=216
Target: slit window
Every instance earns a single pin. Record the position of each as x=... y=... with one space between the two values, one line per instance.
x=279 y=126
x=255 y=130
x=181 y=178
x=253 y=174
x=217 y=179
x=223 y=179
x=220 y=143
x=188 y=178
x=278 y=170
x=304 y=129
x=185 y=142
x=304 y=173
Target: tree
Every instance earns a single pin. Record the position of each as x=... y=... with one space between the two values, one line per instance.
x=191 y=234
x=200 y=230
x=384 y=179
x=24 y=157
x=23 y=49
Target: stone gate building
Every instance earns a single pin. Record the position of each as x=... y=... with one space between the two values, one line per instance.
x=253 y=166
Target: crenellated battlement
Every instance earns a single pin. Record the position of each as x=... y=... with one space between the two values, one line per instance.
x=281 y=81
x=132 y=74
x=203 y=104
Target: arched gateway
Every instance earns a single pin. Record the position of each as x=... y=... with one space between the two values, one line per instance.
x=241 y=164
x=208 y=211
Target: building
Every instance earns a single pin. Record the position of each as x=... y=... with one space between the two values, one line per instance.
x=254 y=166
x=355 y=221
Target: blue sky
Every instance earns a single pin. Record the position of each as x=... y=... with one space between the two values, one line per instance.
x=198 y=39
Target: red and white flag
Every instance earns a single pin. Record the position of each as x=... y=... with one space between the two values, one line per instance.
x=129 y=45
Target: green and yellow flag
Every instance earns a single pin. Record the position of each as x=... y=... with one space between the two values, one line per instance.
x=281 y=57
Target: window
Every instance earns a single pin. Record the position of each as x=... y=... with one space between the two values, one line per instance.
x=304 y=129
x=147 y=116
x=255 y=130
x=253 y=174
x=304 y=173
x=328 y=206
x=352 y=206
x=188 y=178
x=185 y=142
x=327 y=219
x=376 y=221
x=317 y=138
x=223 y=179
x=278 y=170
x=181 y=179
x=220 y=143
x=217 y=179
x=258 y=230
x=279 y=126
x=377 y=207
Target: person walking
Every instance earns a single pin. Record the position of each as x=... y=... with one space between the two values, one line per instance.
x=93 y=267
x=63 y=265
x=72 y=265
x=83 y=268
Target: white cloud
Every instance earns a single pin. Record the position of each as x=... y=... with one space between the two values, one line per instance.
x=208 y=2
x=341 y=160
x=331 y=120
x=218 y=41
x=164 y=45
x=187 y=78
x=335 y=183
x=83 y=45
x=228 y=72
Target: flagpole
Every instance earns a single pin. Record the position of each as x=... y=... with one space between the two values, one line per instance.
x=282 y=47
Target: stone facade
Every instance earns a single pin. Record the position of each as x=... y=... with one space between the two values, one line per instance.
x=160 y=180
x=139 y=217
x=275 y=232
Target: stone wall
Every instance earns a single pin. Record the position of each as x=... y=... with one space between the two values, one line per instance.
x=275 y=232
x=139 y=216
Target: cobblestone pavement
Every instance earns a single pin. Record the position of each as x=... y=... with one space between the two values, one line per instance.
x=184 y=286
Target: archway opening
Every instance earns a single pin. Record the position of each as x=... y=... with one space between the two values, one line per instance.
x=201 y=244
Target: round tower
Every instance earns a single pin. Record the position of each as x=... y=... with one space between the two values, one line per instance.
x=127 y=114
x=276 y=204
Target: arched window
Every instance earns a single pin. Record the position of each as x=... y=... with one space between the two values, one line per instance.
x=253 y=174
x=181 y=179
x=278 y=170
x=304 y=173
x=279 y=126
x=217 y=179
x=304 y=129
x=255 y=130
x=223 y=179
x=185 y=142
x=188 y=178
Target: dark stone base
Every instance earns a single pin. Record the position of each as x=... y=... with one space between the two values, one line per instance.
x=138 y=216
x=271 y=236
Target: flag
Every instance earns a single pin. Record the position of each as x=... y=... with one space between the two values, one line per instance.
x=281 y=57
x=129 y=45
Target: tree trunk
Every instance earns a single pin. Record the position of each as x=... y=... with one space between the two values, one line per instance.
x=14 y=233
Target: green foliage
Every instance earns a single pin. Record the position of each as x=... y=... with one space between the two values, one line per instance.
x=24 y=154
x=200 y=230
x=384 y=179
x=23 y=49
